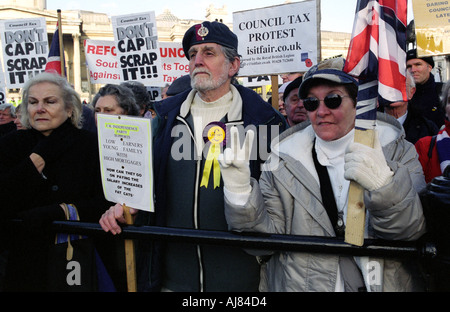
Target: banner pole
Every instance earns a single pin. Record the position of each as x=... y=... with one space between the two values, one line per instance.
x=129 y=254
x=61 y=44
x=274 y=79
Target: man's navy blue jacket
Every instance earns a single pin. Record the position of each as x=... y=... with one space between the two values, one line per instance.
x=255 y=111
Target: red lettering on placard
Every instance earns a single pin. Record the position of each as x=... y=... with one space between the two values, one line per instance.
x=101 y=50
x=172 y=52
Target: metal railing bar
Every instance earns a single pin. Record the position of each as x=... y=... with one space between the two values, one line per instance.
x=258 y=241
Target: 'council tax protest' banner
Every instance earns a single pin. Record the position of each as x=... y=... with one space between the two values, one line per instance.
x=278 y=39
x=25 y=49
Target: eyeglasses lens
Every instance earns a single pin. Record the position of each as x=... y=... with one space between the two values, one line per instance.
x=331 y=101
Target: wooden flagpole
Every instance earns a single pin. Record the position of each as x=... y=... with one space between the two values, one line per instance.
x=356 y=209
x=61 y=44
x=129 y=254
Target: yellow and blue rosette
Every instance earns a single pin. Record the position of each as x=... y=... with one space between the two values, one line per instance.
x=215 y=135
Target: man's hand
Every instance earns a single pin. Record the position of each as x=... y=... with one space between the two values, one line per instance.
x=234 y=165
x=113 y=217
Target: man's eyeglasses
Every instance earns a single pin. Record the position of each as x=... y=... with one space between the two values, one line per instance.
x=332 y=101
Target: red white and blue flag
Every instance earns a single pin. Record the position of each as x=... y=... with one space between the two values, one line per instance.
x=54 y=58
x=377 y=56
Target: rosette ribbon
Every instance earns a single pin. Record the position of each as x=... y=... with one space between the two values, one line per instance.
x=215 y=135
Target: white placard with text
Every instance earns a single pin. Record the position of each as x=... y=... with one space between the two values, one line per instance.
x=125 y=152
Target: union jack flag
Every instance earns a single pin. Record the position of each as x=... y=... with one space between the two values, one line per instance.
x=377 y=56
x=54 y=58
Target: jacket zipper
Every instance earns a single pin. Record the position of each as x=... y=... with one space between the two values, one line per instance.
x=197 y=183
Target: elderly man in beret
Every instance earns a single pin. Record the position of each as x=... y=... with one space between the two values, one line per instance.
x=189 y=131
x=426 y=98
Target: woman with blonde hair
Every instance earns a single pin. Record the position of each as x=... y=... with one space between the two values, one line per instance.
x=48 y=171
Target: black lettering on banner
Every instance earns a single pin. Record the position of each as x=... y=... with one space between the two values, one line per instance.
x=139 y=64
x=26 y=63
x=27 y=35
x=137 y=38
x=22 y=50
x=26 y=48
x=261 y=30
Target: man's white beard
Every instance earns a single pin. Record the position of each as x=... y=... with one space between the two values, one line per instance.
x=207 y=83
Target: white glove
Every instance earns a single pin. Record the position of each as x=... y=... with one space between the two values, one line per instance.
x=367 y=166
x=234 y=164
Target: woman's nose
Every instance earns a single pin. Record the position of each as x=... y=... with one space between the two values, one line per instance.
x=40 y=107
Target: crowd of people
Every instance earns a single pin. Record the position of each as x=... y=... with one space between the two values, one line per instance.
x=282 y=171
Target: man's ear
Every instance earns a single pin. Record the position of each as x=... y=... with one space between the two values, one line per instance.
x=235 y=66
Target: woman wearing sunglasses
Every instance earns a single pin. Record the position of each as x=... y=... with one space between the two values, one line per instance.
x=304 y=191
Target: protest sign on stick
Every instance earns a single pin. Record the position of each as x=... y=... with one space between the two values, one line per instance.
x=25 y=49
x=125 y=157
x=136 y=40
x=278 y=39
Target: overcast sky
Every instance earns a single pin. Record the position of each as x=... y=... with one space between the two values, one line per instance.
x=336 y=15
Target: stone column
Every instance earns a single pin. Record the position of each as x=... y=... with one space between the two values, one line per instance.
x=76 y=63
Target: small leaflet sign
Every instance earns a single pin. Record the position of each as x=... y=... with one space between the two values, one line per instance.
x=126 y=160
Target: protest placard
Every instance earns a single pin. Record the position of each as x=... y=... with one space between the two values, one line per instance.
x=25 y=49
x=432 y=23
x=136 y=41
x=2 y=87
x=102 y=61
x=258 y=81
x=174 y=62
x=126 y=160
x=278 y=39
x=155 y=93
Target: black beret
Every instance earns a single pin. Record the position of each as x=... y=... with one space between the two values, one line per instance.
x=412 y=54
x=179 y=85
x=208 y=32
x=293 y=85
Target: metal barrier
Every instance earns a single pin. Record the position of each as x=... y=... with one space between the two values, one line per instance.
x=275 y=242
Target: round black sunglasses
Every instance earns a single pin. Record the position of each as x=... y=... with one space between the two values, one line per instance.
x=332 y=101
